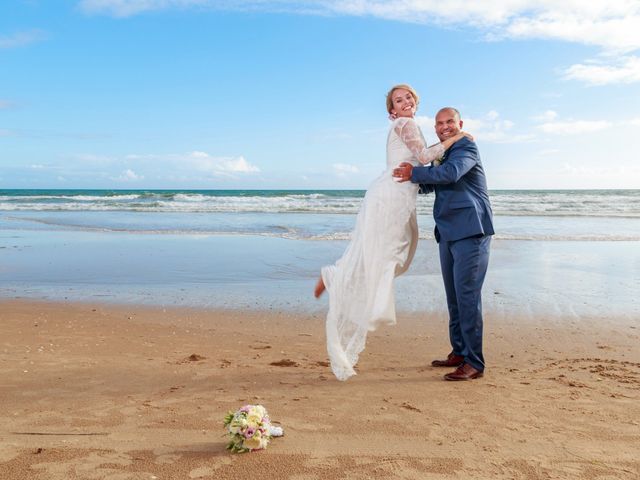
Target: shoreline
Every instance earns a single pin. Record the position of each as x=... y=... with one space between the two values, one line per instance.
x=543 y=278
x=559 y=398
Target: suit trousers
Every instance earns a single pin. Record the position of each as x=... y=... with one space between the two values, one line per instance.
x=464 y=265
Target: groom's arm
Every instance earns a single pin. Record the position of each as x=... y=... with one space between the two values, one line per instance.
x=462 y=157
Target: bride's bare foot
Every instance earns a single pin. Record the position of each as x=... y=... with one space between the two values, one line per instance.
x=319 y=288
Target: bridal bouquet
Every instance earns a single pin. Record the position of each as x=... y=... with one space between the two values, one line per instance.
x=249 y=428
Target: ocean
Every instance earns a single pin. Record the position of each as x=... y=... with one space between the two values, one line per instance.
x=562 y=253
x=589 y=215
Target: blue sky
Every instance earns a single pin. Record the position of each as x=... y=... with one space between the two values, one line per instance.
x=279 y=94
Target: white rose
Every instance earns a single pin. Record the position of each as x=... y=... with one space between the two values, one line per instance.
x=254 y=420
x=252 y=443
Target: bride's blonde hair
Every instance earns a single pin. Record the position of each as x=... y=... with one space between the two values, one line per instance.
x=409 y=88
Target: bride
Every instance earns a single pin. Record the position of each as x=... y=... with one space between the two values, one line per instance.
x=383 y=242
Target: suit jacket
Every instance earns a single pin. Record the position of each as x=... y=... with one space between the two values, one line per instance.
x=462 y=207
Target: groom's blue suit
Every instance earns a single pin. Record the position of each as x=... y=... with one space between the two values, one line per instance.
x=464 y=226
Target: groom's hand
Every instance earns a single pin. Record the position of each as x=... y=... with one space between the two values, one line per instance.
x=402 y=173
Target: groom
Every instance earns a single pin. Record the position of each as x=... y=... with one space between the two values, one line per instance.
x=463 y=231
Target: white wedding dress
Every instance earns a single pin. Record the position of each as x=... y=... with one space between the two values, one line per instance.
x=383 y=242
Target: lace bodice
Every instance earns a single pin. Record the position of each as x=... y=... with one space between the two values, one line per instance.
x=406 y=144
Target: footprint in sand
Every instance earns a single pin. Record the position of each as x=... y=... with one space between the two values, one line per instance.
x=408 y=406
x=285 y=362
x=194 y=357
x=596 y=373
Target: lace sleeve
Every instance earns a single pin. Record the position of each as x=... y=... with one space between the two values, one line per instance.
x=410 y=134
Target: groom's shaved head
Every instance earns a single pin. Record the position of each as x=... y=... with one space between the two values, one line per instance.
x=450 y=109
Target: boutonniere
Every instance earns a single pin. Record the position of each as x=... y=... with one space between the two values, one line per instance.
x=439 y=161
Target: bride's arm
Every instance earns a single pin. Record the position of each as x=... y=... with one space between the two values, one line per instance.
x=450 y=141
x=410 y=134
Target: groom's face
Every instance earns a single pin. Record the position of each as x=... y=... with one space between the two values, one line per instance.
x=448 y=124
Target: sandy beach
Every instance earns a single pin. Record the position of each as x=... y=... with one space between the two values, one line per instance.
x=122 y=392
x=177 y=174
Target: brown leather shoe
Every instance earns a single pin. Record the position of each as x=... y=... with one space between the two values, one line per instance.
x=464 y=372
x=452 y=360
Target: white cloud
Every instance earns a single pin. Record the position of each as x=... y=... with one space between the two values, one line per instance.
x=425 y=11
x=194 y=162
x=547 y=116
x=597 y=72
x=204 y=162
x=491 y=128
x=549 y=123
x=566 y=175
x=548 y=152
x=236 y=165
x=121 y=8
x=129 y=176
x=193 y=167
x=600 y=171
x=613 y=25
x=343 y=169
x=635 y=121
x=21 y=39
x=574 y=127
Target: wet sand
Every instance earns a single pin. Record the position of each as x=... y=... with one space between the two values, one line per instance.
x=568 y=279
x=123 y=392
